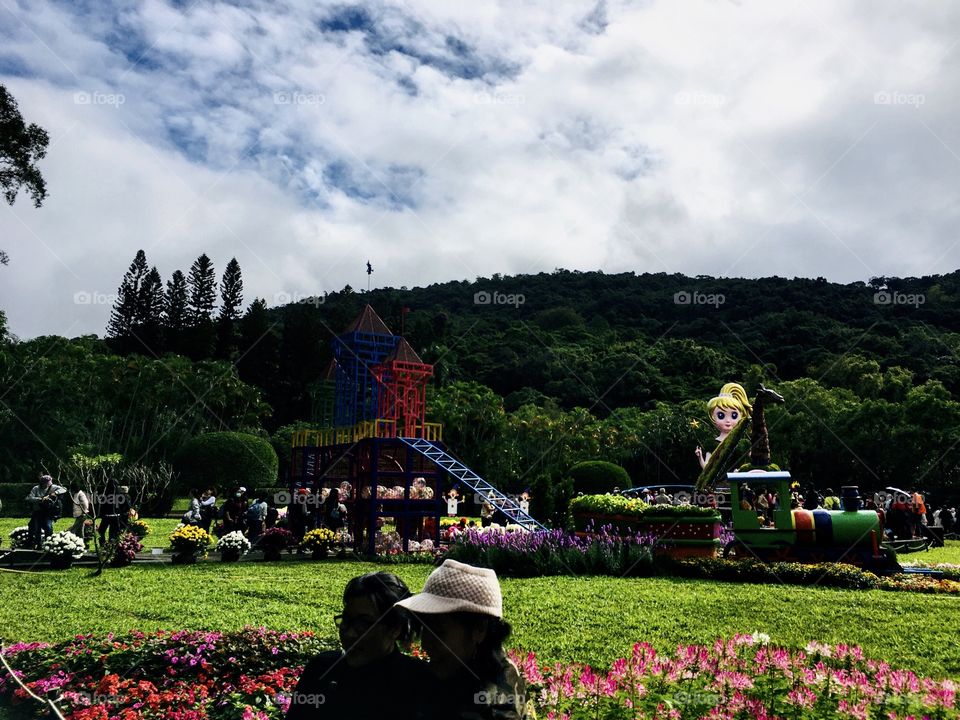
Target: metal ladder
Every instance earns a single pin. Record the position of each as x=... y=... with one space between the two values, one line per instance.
x=468 y=477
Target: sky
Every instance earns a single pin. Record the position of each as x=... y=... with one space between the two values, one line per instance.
x=454 y=140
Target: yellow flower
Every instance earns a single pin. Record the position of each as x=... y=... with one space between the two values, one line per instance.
x=695 y=424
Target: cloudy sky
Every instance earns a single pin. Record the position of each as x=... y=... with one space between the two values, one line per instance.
x=447 y=141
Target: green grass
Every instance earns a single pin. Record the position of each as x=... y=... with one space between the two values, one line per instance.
x=567 y=619
x=160 y=529
x=949 y=553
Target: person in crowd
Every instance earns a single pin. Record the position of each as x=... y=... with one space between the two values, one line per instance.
x=918 y=512
x=256 y=518
x=369 y=677
x=298 y=514
x=110 y=507
x=208 y=508
x=461 y=611
x=661 y=497
x=193 y=516
x=812 y=500
x=273 y=514
x=234 y=513
x=948 y=520
x=334 y=512
x=81 y=508
x=487 y=511
x=830 y=501
x=45 y=501
x=763 y=504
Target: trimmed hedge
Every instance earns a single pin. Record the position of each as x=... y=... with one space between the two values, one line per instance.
x=13 y=496
x=838 y=575
x=598 y=476
x=226 y=460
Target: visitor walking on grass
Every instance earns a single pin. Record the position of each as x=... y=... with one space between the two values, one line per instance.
x=44 y=500
x=369 y=677
x=81 y=507
x=461 y=611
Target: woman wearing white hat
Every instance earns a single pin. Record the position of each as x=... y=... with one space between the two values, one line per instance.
x=461 y=610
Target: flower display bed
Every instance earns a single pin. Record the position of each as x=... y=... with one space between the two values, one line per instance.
x=251 y=674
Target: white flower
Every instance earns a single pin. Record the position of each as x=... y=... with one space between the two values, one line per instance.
x=235 y=540
x=760 y=638
x=64 y=543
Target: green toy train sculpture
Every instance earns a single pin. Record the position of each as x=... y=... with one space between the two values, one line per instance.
x=851 y=535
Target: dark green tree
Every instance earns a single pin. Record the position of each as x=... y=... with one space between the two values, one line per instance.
x=200 y=335
x=125 y=313
x=175 y=312
x=231 y=296
x=21 y=146
x=148 y=321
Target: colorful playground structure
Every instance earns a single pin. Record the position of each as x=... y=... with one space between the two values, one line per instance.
x=377 y=447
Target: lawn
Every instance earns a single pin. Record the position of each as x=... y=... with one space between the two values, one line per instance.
x=566 y=618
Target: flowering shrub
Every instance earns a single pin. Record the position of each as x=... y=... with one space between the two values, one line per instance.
x=743 y=677
x=139 y=527
x=920 y=583
x=555 y=552
x=122 y=550
x=62 y=544
x=235 y=542
x=20 y=537
x=187 y=539
x=276 y=539
x=186 y=675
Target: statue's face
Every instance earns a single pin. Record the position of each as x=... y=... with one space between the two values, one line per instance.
x=725 y=419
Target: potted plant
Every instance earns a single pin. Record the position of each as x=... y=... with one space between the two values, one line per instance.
x=121 y=551
x=274 y=541
x=20 y=537
x=318 y=542
x=186 y=542
x=63 y=548
x=139 y=528
x=232 y=545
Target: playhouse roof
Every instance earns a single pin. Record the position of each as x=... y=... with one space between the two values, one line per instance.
x=368 y=322
x=404 y=353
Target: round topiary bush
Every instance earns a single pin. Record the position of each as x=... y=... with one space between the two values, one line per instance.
x=225 y=460
x=595 y=477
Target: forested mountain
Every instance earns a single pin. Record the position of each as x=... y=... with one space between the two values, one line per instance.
x=532 y=372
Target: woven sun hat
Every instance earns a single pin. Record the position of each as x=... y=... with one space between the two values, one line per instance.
x=457 y=587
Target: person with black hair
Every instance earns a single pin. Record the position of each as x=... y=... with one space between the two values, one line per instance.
x=370 y=677
x=461 y=611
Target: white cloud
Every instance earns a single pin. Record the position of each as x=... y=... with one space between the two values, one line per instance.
x=725 y=138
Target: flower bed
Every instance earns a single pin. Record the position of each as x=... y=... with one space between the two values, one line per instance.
x=743 y=677
x=185 y=675
x=555 y=552
x=250 y=674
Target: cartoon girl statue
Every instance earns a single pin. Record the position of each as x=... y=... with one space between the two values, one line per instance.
x=726 y=410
